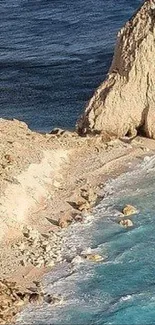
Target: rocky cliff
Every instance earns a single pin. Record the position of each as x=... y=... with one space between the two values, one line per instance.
x=124 y=104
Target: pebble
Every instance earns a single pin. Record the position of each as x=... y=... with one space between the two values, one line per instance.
x=21 y=246
x=50 y=264
x=38 y=250
x=48 y=248
x=23 y=262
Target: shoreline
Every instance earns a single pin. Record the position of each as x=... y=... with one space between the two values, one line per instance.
x=71 y=265
x=87 y=162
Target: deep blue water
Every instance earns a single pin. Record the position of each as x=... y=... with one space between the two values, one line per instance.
x=121 y=289
x=53 y=54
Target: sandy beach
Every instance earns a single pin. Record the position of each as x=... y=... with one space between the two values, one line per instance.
x=42 y=176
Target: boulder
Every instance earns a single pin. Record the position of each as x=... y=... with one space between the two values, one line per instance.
x=81 y=204
x=89 y=195
x=94 y=257
x=126 y=223
x=124 y=104
x=128 y=210
x=36 y=298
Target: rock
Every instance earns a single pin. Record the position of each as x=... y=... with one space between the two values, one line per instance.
x=64 y=133
x=126 y=223
x=34 y=235
x=64 y=221
x=21 y=246
x=41 y=250
x=35 y=242
x=37 y=284
x=78 y=218
x=48 y=299
x=81 y=204
x=94 y=257
x=59 y=259
x=57 y=131
x=53 y=299
x=30 y=233
x=124 y=103
x=50 y=264
x=26 y=232
x=129 y=210
x=23 y=262
x=39 y=262
x=57 y=184
x=11 y=300
x=89 y=195
x=9 y=158
x=77 y=260
x=48 y=248
x=35 y=298
x=44 y=243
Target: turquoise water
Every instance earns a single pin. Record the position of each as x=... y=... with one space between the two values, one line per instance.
x=121 y=289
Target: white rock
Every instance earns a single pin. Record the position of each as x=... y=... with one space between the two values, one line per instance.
x=48 y=248
x=50 y=264
x=77 y=260
x=21 y=246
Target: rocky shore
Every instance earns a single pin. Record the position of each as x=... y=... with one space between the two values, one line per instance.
x=49 y=181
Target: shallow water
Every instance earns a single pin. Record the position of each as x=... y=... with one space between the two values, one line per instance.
x=53 y=54
x=121 y=289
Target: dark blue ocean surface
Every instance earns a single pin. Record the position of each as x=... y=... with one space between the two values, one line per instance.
x=53 y=54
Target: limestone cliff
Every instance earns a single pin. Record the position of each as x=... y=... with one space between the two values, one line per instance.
x=125 y=102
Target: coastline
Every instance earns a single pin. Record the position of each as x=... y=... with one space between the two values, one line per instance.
x=76 y=162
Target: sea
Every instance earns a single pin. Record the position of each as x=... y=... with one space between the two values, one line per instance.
x=53 y=55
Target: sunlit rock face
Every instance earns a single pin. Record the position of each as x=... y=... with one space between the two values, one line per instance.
x=125 y=102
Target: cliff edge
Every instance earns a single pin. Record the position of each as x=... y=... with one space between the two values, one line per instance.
x=124 y=104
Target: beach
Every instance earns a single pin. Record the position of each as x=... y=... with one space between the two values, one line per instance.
x=47 y=176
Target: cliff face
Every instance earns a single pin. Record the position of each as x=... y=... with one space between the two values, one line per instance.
x=125 y=102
